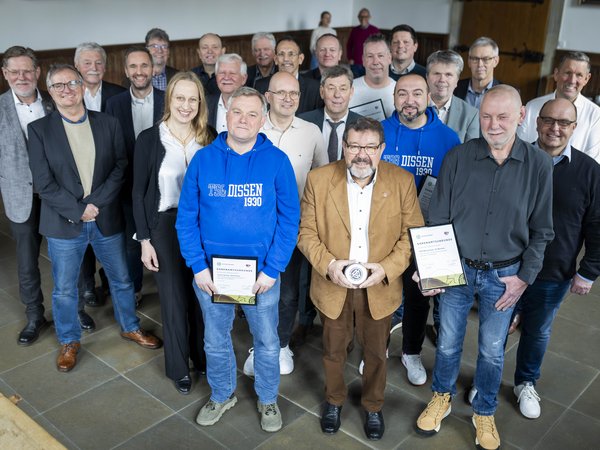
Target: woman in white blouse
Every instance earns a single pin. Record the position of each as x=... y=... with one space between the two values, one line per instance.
x=162 y=154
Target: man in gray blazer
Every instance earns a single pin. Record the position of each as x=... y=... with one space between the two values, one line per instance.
x=443 y=70
x=21 y=104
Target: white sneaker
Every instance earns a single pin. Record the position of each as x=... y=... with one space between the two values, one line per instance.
x=286 y=362
x=249 y=363
x=528 y=399
x=414 y=369
x=361 y=366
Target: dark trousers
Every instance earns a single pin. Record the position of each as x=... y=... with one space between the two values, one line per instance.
x=416 y=311
x=183 y=328
x=291 y=280
x=28 y=240
x=372 y=335
x=133 y=250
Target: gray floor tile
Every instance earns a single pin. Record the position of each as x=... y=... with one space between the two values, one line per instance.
x=23 y=404
x=575 y=341
x=13 y=355
x=573 y=431
x=117 y=409
x=55 y=433
x=305 y=433
x=11 y=309
x=173 y=432
x=582 y=309
x=588 y=402
x=562 y=379
x=240 y=426
x=31 y=380
x=454 y=434
x=151 y=377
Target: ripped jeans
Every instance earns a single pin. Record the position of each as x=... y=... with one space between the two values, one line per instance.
x=455 y=305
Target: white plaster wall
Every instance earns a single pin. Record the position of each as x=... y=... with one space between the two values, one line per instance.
x=54 y=24
x=429 y=16
x=579 y=28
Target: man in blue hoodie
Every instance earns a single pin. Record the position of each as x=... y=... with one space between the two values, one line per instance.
x=239 y=199
x=416 y=140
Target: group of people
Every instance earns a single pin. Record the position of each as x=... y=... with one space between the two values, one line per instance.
x=305 y=174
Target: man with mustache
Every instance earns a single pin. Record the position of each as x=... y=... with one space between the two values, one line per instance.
x=137 y=109
x=263 y=49
x=357 y=209
x=416 y=140
x=90 y=60
x=231 y=74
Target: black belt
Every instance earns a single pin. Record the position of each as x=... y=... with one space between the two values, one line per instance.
x=488 y=265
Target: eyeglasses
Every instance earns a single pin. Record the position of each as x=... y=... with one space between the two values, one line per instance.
x=59 y=87
x=180 y=100
x=368 y=149
x=562 y=123
x=281 y=95
x=157 y=46
x=485 y=60
x=16 y=73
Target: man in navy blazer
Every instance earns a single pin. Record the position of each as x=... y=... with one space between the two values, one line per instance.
x=20 y=105
x=136 y=109
x=77 y=159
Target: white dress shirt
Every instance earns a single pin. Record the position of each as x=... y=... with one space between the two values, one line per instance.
x=221 y=123
x=93 y=103
x=142 y=112
x=359 y=205
x=28 y=113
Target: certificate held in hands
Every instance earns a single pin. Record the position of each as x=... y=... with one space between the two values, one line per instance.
x=234 y=278
x=437 y=258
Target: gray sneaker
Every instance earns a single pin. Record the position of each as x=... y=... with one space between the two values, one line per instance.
x=212 y=411
x=270 y=417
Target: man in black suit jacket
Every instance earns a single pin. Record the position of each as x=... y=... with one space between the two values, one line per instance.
x=483 y=59
x=288 y=58
x=90 y=60
x=263 y=49
x=329 y=53
x=231 y=74
x=336 y=91
x=77 y=159
x=137 y=109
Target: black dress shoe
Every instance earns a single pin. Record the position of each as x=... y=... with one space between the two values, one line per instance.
x=330 y=420
x=86 y=322
x=91 y=299
x=30 y=333
x=374 y=426
x=184 y=385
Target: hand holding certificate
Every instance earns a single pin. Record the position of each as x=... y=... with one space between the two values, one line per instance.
x=234 y=279
x=437 y=258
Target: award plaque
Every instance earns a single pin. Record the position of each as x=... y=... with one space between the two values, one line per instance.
x=356 y=273
x=437 y=258
x=234 y=278
x=425 y=192
x=373 y=109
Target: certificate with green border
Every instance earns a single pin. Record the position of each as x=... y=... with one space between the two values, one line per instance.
x=234 y=277
x=437 y=257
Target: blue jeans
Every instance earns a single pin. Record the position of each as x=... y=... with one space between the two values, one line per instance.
x=263 y=319
x=538 y=307
x=66 y=256
x=455 y=305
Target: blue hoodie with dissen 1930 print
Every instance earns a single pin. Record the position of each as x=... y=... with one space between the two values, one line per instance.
x=239 y=205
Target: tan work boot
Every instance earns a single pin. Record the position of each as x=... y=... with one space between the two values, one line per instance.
x=487 y=436
x=430 y=420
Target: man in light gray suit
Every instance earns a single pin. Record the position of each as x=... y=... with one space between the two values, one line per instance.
x=443 y=71
x=21 y=104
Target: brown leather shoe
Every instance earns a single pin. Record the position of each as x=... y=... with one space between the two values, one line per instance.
x=143 y=338
x=67 y=358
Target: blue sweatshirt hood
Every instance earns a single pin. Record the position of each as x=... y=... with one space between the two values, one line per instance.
x=239 y=205
x=418 y=150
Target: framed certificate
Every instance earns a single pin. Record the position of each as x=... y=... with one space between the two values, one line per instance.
x=373 y=109
x=425 y=192
x=437 y=257
x=234 y=277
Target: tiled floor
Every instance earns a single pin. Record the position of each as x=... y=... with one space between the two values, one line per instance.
x=118 y=396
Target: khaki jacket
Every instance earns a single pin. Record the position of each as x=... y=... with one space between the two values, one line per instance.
x=325 y=233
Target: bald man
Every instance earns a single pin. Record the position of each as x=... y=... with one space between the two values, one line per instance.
x=497 y=192
x=576 y=215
